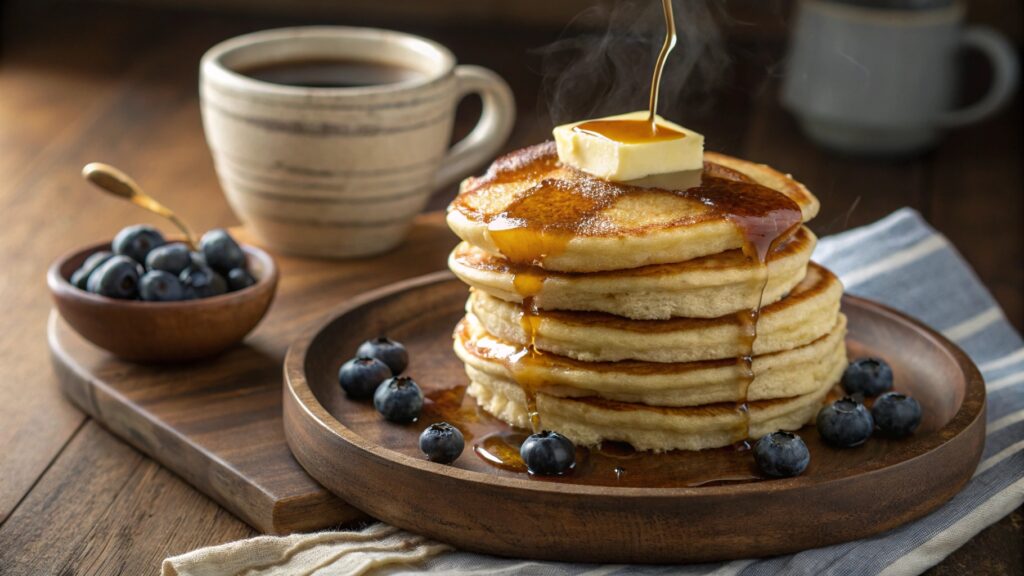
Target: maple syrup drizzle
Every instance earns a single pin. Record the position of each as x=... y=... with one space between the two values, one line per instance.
x=614 y=463
x=629 y=131
x=761 y=237
x=501 y=449
x=522 y=241
x=526 y=364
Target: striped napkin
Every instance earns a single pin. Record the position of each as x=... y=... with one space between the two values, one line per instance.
x=900 y=261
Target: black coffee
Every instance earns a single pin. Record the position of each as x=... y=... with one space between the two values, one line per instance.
x=328 y=73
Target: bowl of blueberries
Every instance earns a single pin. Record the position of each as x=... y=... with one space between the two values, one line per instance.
x=145 y=298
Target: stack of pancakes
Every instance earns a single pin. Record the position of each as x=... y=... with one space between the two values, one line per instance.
x=684 y=317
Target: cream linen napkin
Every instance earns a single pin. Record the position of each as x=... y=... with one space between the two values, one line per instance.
x=320 y=553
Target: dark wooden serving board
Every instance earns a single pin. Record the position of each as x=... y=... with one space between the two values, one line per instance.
x=217 y=423
x=651 y=514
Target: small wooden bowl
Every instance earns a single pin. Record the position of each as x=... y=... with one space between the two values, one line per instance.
x=162 y=331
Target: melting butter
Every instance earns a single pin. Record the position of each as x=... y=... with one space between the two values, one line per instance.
x=628 y=147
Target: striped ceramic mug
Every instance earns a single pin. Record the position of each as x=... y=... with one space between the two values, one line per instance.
x=341 y=171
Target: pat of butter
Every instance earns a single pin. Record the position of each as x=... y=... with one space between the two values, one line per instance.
x=623 y=147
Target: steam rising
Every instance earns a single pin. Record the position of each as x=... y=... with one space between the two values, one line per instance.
x=603 y=63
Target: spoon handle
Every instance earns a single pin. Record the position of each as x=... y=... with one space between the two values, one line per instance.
x=115 y=182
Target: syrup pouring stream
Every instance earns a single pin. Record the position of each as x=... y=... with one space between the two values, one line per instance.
x=659 y=66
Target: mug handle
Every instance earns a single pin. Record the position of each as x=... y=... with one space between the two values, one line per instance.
x=491 y=131
x=1005 y=71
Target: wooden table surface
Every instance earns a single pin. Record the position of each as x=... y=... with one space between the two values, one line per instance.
x=79 y=84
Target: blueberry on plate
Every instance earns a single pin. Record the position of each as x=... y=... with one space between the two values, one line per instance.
x=399 y=400
x=845 y=423
x=202 y=282
x=896 y=415
x=548 y=454
x=359 y=377
x=867 y=377
x=118 y=277
x=173 y=258
x=221 y=251
x=160 y=286
x=80 y=278
x=386 y=350
x=442 y=442
x=239 y=278
x=136 y=241
x=781 y=454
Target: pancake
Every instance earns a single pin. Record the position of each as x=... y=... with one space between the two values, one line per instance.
x=589 y=421
x=706 y=287
x=779 y=375
x=806 y=314
x=534 y=211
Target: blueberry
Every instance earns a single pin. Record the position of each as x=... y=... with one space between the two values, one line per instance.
x=359 y=377
x=221 y=251
x=399 y=399
x=135 y=242
x=442 y=442
x=118 y=277
x=896 y=415
x=197 y=258
x=202 y=282
x=781 y=454
x=867 y=377
x=239 y=278
x=173 y=258
x=80 y=278
x=548 y=454
x=845 y=423
x=386 y=350
x=160 y=286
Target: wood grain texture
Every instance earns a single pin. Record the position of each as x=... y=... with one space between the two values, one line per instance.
x=217 y=422
x=83 y=81
x=376 y=465
x=106 y=509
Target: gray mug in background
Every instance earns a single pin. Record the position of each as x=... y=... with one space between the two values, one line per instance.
x=884 y=81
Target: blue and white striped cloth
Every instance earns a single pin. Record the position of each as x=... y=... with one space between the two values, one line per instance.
x=902 y=262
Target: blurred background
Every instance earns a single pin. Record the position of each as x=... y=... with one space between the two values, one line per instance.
x=117 y=81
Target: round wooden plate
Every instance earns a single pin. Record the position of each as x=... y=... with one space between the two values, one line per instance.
x=662 y=509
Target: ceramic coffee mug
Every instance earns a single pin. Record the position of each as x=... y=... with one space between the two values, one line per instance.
x=883 y=81
x=341 y=171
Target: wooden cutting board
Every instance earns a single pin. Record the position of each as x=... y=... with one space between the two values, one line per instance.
x=217 y=423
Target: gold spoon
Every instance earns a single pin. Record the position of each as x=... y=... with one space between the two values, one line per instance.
x=111 y=180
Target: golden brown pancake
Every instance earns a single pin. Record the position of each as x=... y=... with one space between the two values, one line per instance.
x=778 y=375
x=706 y=287
x=806 y=314
x=589 y=421
x=534 y=211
